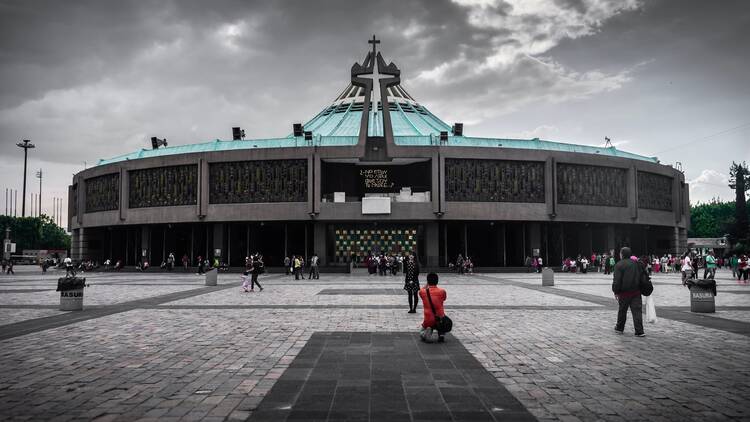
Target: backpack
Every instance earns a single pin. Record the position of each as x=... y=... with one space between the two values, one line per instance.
x=644 y=283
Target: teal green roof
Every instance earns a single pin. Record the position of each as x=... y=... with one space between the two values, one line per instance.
x=332 y=141
x=407 y=119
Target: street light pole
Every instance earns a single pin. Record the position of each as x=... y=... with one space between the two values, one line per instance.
x=39 y=200
x=26 y=144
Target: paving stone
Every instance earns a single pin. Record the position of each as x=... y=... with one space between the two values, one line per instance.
x=140 y=351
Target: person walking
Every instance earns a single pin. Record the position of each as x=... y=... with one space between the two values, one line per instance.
x=460 y=264
x=170 y=261
x=10 y=268
x=411 y=283
x=743 y=268
x=297 y=266
x=257 y=269
x=626 y=287
x=314 y=271
x=436 y=299
x=201 y=265
x=733 y=263
x=710 y=267
x=69 y=270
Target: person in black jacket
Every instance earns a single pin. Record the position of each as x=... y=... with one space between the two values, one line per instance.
x=411 y=282
x=626 y=287
x=257 y=268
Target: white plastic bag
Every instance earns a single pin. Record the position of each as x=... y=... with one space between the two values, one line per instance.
x=650 y=309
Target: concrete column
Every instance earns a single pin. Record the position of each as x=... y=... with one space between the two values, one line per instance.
x=610 y=238
x=584 y=241
x=466 y=240
x=632 y=179
x=145 y=242
x=317 y=183
x=534 y=239
x=435 y=191
x=218 y=237
x=124 y=198
x=75 y=244
x=682 y=239
x=441 y=181
x=202 y=188
x=676 y=199
x=432 y=244
x=501 y=245
x=550 y=187
x=319 y=241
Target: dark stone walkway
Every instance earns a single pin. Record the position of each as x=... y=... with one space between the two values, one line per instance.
x=362 y=376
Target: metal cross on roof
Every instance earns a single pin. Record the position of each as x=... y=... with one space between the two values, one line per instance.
x=373 y=41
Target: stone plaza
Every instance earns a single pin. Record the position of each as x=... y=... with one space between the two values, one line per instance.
x=163 y=346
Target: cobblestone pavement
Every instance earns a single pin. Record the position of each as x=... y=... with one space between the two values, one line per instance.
x=215 y=353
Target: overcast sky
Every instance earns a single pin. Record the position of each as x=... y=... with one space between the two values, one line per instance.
x=86 y=80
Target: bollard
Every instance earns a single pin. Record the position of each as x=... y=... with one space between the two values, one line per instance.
x=702 y=300
x=211 y=277
x=548 y=277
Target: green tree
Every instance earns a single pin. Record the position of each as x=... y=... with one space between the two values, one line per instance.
x=34 y=233
x=739 y=180
x=713 y=219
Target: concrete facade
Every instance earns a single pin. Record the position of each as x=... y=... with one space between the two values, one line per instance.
x=543 y=217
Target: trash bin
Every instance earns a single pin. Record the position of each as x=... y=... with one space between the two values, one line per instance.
x=702 y=300
x=71 y=293
x=212 y=277
x=702 y=294
x=548 y=277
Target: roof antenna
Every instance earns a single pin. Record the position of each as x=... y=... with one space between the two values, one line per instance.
x=608 y=143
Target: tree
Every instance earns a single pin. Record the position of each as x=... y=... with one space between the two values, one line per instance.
x=713 y=219
x=739 y=180
x=35 y=233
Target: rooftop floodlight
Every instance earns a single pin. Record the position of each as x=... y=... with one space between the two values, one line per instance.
x=458 y=129
x=156 y=142
x=443 y=136
x=308 y=135
x=238 y=134
x=297 y=128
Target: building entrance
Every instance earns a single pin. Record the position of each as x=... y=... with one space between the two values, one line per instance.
x=352 y=243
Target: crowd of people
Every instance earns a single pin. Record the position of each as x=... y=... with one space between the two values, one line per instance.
x=688 y=264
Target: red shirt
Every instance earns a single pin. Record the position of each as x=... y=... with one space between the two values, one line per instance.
x=438 y=296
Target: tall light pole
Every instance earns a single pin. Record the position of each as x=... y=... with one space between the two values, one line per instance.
x=39 y=200
x=26 y=144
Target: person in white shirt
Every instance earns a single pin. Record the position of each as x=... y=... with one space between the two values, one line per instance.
x=69 y=271
x=687 y=268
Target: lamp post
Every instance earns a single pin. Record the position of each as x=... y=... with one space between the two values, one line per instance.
x=26 y=144
x=39 y=200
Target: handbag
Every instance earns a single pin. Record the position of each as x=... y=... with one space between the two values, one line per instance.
x=443 y=324
x=645 y=285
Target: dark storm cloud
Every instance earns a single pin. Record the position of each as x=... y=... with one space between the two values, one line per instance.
x=93 y=79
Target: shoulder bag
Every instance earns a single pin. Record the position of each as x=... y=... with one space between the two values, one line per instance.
x=442 y=324
x=645 y=285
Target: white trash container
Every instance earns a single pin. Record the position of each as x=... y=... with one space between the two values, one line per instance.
x=548 y=277
x=212 y=277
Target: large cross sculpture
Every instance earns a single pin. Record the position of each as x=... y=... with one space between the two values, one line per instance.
x=374 y=75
